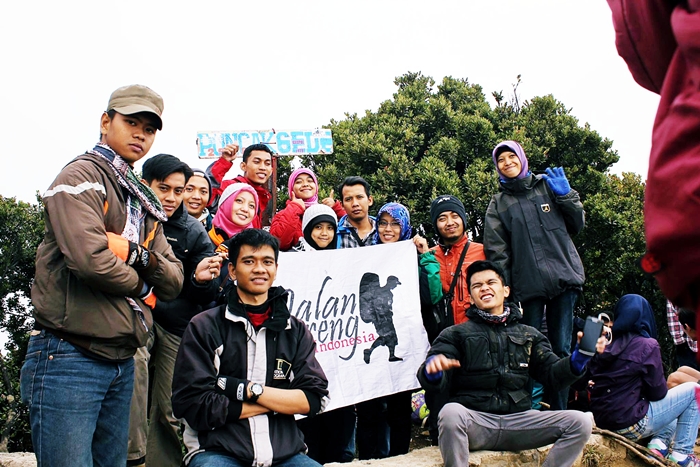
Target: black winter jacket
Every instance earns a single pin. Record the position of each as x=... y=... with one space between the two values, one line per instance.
x=527 y=232
x=281 y=354
x=497 y=362
x=191 y=244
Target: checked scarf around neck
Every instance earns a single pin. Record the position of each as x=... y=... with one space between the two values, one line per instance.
x=140 y=194
x=494 y=319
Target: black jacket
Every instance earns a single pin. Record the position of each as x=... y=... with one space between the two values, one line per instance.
x=222 y=341
x=527 y=232
x=497 y=362
x=191 y=244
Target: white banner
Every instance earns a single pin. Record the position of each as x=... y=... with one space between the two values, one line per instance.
x=327 y=296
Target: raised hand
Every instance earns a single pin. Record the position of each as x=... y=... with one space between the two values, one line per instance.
x=229 y=151
x=329 y=201
x=557 y=181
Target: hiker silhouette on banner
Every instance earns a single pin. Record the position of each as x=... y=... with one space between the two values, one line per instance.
x=376 y=308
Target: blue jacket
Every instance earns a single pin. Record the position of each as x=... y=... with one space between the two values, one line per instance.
x=346 y=239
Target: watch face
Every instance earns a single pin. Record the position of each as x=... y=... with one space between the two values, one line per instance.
x=256 y=389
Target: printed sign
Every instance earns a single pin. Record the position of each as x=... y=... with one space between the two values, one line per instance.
x=282 y=143
x=362 y=307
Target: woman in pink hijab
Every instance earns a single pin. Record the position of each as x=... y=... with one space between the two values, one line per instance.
x=237 y=207
x=303 y=193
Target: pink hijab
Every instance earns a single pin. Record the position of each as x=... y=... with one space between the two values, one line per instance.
x=222 y=219
x=292 y=178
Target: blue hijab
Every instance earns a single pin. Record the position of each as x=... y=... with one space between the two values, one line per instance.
x=633 y=314
x=400 y=214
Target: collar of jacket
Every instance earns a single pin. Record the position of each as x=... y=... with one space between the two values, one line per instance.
x=514 y=316
x=459 y=244
x=520 y=185
x=276 y=297
x=179 y=217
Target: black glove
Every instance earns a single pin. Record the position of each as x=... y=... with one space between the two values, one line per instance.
x=233 y=388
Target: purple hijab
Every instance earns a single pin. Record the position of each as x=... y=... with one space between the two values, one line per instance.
x=518 y=150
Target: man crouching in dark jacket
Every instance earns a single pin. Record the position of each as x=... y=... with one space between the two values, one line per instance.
x=245 y=369
x=486 y=364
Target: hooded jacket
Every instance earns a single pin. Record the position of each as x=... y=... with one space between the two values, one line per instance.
x=527 y=232
x=629 y=374
x=191 y=244
x=497 y=362
x=281 y=354
x=660 y=41
x=80 y=286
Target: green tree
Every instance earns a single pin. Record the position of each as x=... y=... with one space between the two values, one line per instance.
x=21 y=231
x=429 y=140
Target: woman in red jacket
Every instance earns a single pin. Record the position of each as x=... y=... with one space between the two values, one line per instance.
x=303 y=193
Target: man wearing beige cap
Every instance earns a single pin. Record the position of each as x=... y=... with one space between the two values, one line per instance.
x=103 y=260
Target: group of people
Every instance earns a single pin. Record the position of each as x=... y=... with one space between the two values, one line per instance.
x=155 y=311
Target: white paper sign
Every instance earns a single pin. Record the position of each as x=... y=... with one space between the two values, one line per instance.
x=326 y=295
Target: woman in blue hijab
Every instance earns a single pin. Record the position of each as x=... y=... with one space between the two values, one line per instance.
x=628 y=389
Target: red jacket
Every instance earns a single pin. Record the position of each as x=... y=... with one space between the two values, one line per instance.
x=660 y=41
x=448 y=258
x=286 y=225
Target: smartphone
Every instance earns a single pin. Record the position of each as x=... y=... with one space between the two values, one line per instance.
x=592 y=330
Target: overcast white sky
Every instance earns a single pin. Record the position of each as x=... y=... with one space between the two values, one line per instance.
x=235 y=65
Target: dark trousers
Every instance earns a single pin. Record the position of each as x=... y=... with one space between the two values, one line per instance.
x=384 y=426
x=329 y=436
x=560 y=322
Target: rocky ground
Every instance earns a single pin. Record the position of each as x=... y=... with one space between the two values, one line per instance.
x=599 y=452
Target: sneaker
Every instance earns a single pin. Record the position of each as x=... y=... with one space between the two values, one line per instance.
x=661 y=453
x=690 y=461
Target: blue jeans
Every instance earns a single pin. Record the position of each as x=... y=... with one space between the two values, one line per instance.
x=560 y=327
x=78 y=406
x=675 y=418
x=217 y=459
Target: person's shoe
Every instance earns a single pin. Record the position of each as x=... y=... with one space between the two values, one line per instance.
x=368 y=353
x=394 y=358
x=661 y=453
x=690 y=461
x=657 y=450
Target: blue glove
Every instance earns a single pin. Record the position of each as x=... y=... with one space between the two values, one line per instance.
x=579 y=361
x=432 y=377
x=557 y=181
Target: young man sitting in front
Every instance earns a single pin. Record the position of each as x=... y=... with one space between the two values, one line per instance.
x=246 y=368
x=486 y=364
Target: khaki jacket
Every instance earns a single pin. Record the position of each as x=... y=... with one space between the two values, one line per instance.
x=80 y=286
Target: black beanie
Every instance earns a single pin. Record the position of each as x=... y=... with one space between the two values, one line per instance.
x=444 y=203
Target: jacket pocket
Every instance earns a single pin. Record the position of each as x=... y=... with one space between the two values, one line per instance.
x=519 y=348
x=550 y=216
x=477 y=355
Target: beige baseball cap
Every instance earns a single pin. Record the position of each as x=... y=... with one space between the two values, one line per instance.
x=135 y=98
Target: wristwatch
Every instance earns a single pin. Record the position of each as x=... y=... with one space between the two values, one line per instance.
x=256 y=390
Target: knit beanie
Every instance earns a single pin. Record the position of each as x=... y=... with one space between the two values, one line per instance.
x=293 y=178
x=313 y=216
x=518 y=150
x=445 y=203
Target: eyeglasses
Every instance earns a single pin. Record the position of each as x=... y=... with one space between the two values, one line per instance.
x=393 y=225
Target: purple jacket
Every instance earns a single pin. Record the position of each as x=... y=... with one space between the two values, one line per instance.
x=627 y=376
